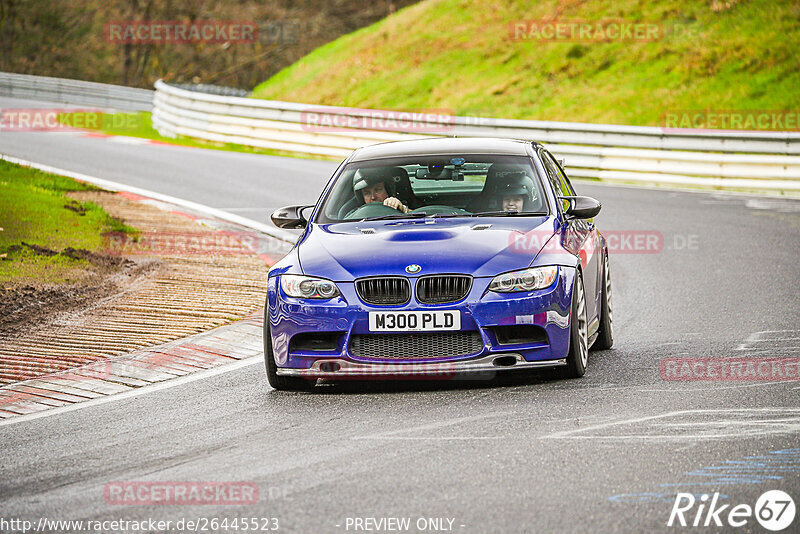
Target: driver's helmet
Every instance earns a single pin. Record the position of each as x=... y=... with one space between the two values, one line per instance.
x=515 y=183
x=364 y=178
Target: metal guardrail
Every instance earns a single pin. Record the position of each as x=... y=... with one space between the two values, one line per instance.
x=76 y=92
x=719 y=159
x=212 y=89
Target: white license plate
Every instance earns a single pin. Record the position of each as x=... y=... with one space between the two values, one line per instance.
x=414 y=321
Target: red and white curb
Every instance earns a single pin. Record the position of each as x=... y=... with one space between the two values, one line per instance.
x=220 y=350
x=135 y=373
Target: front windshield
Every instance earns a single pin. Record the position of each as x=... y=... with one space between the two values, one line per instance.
x=435 y=186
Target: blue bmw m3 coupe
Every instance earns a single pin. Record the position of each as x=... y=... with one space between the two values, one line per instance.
x=439 y=258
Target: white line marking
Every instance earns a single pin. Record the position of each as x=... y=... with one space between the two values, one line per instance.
x=752 y=338
x=682 y=437
x=771 y=349
x=571 y=433
x=200 y=208
x=683 y=390
x=777 y=339
x=200 y=375
x=242 y=209
x=758 y=337
x=128 y=140
x=435 y=438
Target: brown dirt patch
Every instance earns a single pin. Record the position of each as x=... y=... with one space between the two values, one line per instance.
x=130 y=299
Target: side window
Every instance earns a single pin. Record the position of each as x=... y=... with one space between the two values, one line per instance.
x=557 y=178
x=565 y=183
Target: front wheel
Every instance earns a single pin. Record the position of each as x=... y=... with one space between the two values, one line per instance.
x=578 y=354
x=281 y=383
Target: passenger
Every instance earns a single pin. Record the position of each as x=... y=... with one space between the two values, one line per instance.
x=515 y=192
x=376 y=188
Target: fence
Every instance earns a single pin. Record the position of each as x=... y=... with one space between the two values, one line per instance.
x=707 y=158
x=76 y=92
x=720 y=159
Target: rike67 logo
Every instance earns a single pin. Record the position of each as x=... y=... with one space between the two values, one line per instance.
x=774 y=510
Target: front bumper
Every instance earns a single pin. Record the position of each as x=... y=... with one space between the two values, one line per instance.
x=337 y=368
x=481 y=311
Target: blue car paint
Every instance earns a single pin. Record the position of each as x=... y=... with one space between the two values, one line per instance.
x=342 y=253
x=548 y=308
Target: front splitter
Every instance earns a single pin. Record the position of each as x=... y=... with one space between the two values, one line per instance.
x=333 y=368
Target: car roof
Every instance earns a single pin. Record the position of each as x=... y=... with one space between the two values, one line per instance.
x=444 y=145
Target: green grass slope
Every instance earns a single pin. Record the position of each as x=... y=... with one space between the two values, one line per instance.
x=458 y=55
x=34 y=212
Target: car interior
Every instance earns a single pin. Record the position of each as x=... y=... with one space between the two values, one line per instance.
x=440 y=188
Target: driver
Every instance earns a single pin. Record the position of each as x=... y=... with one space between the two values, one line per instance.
x=515 y=192
x=375 y=188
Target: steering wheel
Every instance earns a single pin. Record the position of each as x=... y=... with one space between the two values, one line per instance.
x=436 y=209
x=373 y=209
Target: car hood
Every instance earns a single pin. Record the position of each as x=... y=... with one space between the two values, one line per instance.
x=476 y=246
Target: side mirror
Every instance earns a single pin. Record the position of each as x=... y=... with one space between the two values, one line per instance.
x=582 y=207
x=289 y=217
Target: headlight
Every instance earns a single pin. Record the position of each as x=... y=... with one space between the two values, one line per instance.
x=524 y=280
x=307 y=287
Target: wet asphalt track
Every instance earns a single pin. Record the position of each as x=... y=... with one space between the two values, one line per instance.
x=525 y=453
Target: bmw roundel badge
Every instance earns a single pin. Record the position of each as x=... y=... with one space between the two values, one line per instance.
x=413 y=268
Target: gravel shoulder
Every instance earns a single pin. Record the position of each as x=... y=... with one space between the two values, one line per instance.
x=181 y=275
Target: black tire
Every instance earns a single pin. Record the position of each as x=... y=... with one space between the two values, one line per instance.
x=578 y=354
x=605 y=334
x=281 y=383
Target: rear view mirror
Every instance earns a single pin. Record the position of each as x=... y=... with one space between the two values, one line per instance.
x=439 y=174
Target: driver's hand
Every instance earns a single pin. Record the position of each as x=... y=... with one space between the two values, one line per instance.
x=395 y=204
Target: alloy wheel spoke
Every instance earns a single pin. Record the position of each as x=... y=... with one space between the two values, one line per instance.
x=609 y=297
x=583 y=334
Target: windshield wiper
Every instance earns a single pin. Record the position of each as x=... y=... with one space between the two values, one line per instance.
x=398 y=216
x=507 y=213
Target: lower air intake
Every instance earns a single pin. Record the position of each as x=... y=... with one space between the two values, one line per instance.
x=417 y=346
